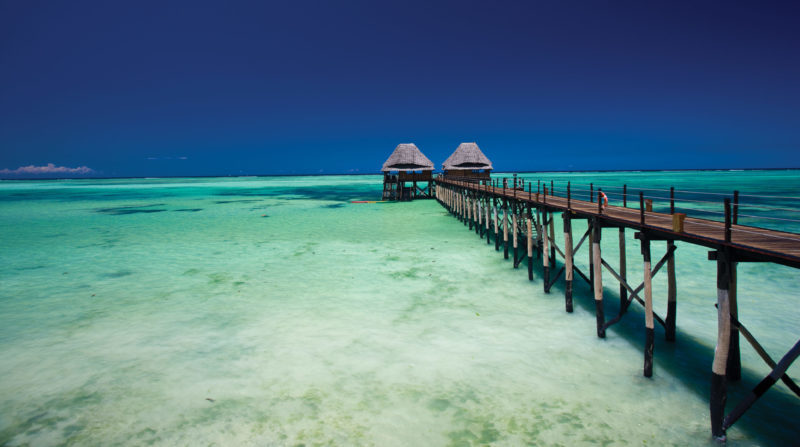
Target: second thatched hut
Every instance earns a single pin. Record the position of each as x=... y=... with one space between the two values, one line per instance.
x=467 y=161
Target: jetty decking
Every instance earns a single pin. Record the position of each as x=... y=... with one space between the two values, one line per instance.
x=491 y=207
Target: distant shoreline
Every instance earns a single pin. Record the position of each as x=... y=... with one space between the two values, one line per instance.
x=379 y=173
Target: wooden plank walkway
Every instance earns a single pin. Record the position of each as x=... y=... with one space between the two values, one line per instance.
x=758 y=243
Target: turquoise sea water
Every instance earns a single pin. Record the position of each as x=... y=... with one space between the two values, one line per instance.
x=272 y=311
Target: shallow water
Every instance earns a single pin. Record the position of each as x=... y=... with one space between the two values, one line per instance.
x=271 y=311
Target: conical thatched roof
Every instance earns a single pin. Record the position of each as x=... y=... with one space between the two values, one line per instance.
x=407 y=157
x=467 y=156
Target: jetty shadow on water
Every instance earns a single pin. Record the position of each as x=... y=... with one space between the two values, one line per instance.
x=688 y=359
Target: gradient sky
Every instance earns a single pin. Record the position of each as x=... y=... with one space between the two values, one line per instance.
x=140 y=88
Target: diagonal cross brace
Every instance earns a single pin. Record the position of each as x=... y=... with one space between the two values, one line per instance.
x=777 y=372
x=634 y=294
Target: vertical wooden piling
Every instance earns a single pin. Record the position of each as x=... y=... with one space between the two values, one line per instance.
x=496 y=226
x=552 y=240
x=672 y=294
x=476 y=217
x=734 y=371
x=598 y=279
x=530 y=242
x=505 y=228
x=514 y=231
x=545 y=255
x=590 y=223
x=488 y=209
x=470 y=206
x=623 y=269
x=719 y=394
x=538 y=231
x=648 y=308
x=568 y=260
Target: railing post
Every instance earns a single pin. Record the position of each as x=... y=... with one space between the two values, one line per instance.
x=641 y=207
x=569 y=195
x=672 y=200
x=625 y=196
x=599 y=201
x=727 y=220
x=551 y=188
x=736 y=207
x=591 y=192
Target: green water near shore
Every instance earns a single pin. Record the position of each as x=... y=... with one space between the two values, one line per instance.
x=271 y=311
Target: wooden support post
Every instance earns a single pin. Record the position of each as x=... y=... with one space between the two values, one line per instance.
x=470 y=207
x=464 y=208
x=648 y=308
x=514 y=230
x=598 y=279
x=568 y=260
x=623 y=269
x=552 y=241
x=505 y=228
x=719 y=394
x=590 y=223
x=734 y=371
x=546 y=256
x=496 y=225
x=488 y=208
x=530 y=242
x=672 y=294
x=478 y=213
x=538 y=232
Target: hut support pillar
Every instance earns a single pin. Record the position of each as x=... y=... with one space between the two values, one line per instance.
x=597 y=281
x=648 y=308
x=568 y=260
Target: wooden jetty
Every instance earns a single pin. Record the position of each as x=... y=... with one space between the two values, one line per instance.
x=508 y=213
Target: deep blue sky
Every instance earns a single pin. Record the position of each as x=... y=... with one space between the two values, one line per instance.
x=142 y=88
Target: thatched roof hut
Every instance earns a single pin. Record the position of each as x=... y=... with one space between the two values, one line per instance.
x=467 y=156
x=407 y=157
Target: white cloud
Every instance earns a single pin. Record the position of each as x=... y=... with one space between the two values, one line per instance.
x=50 y=168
